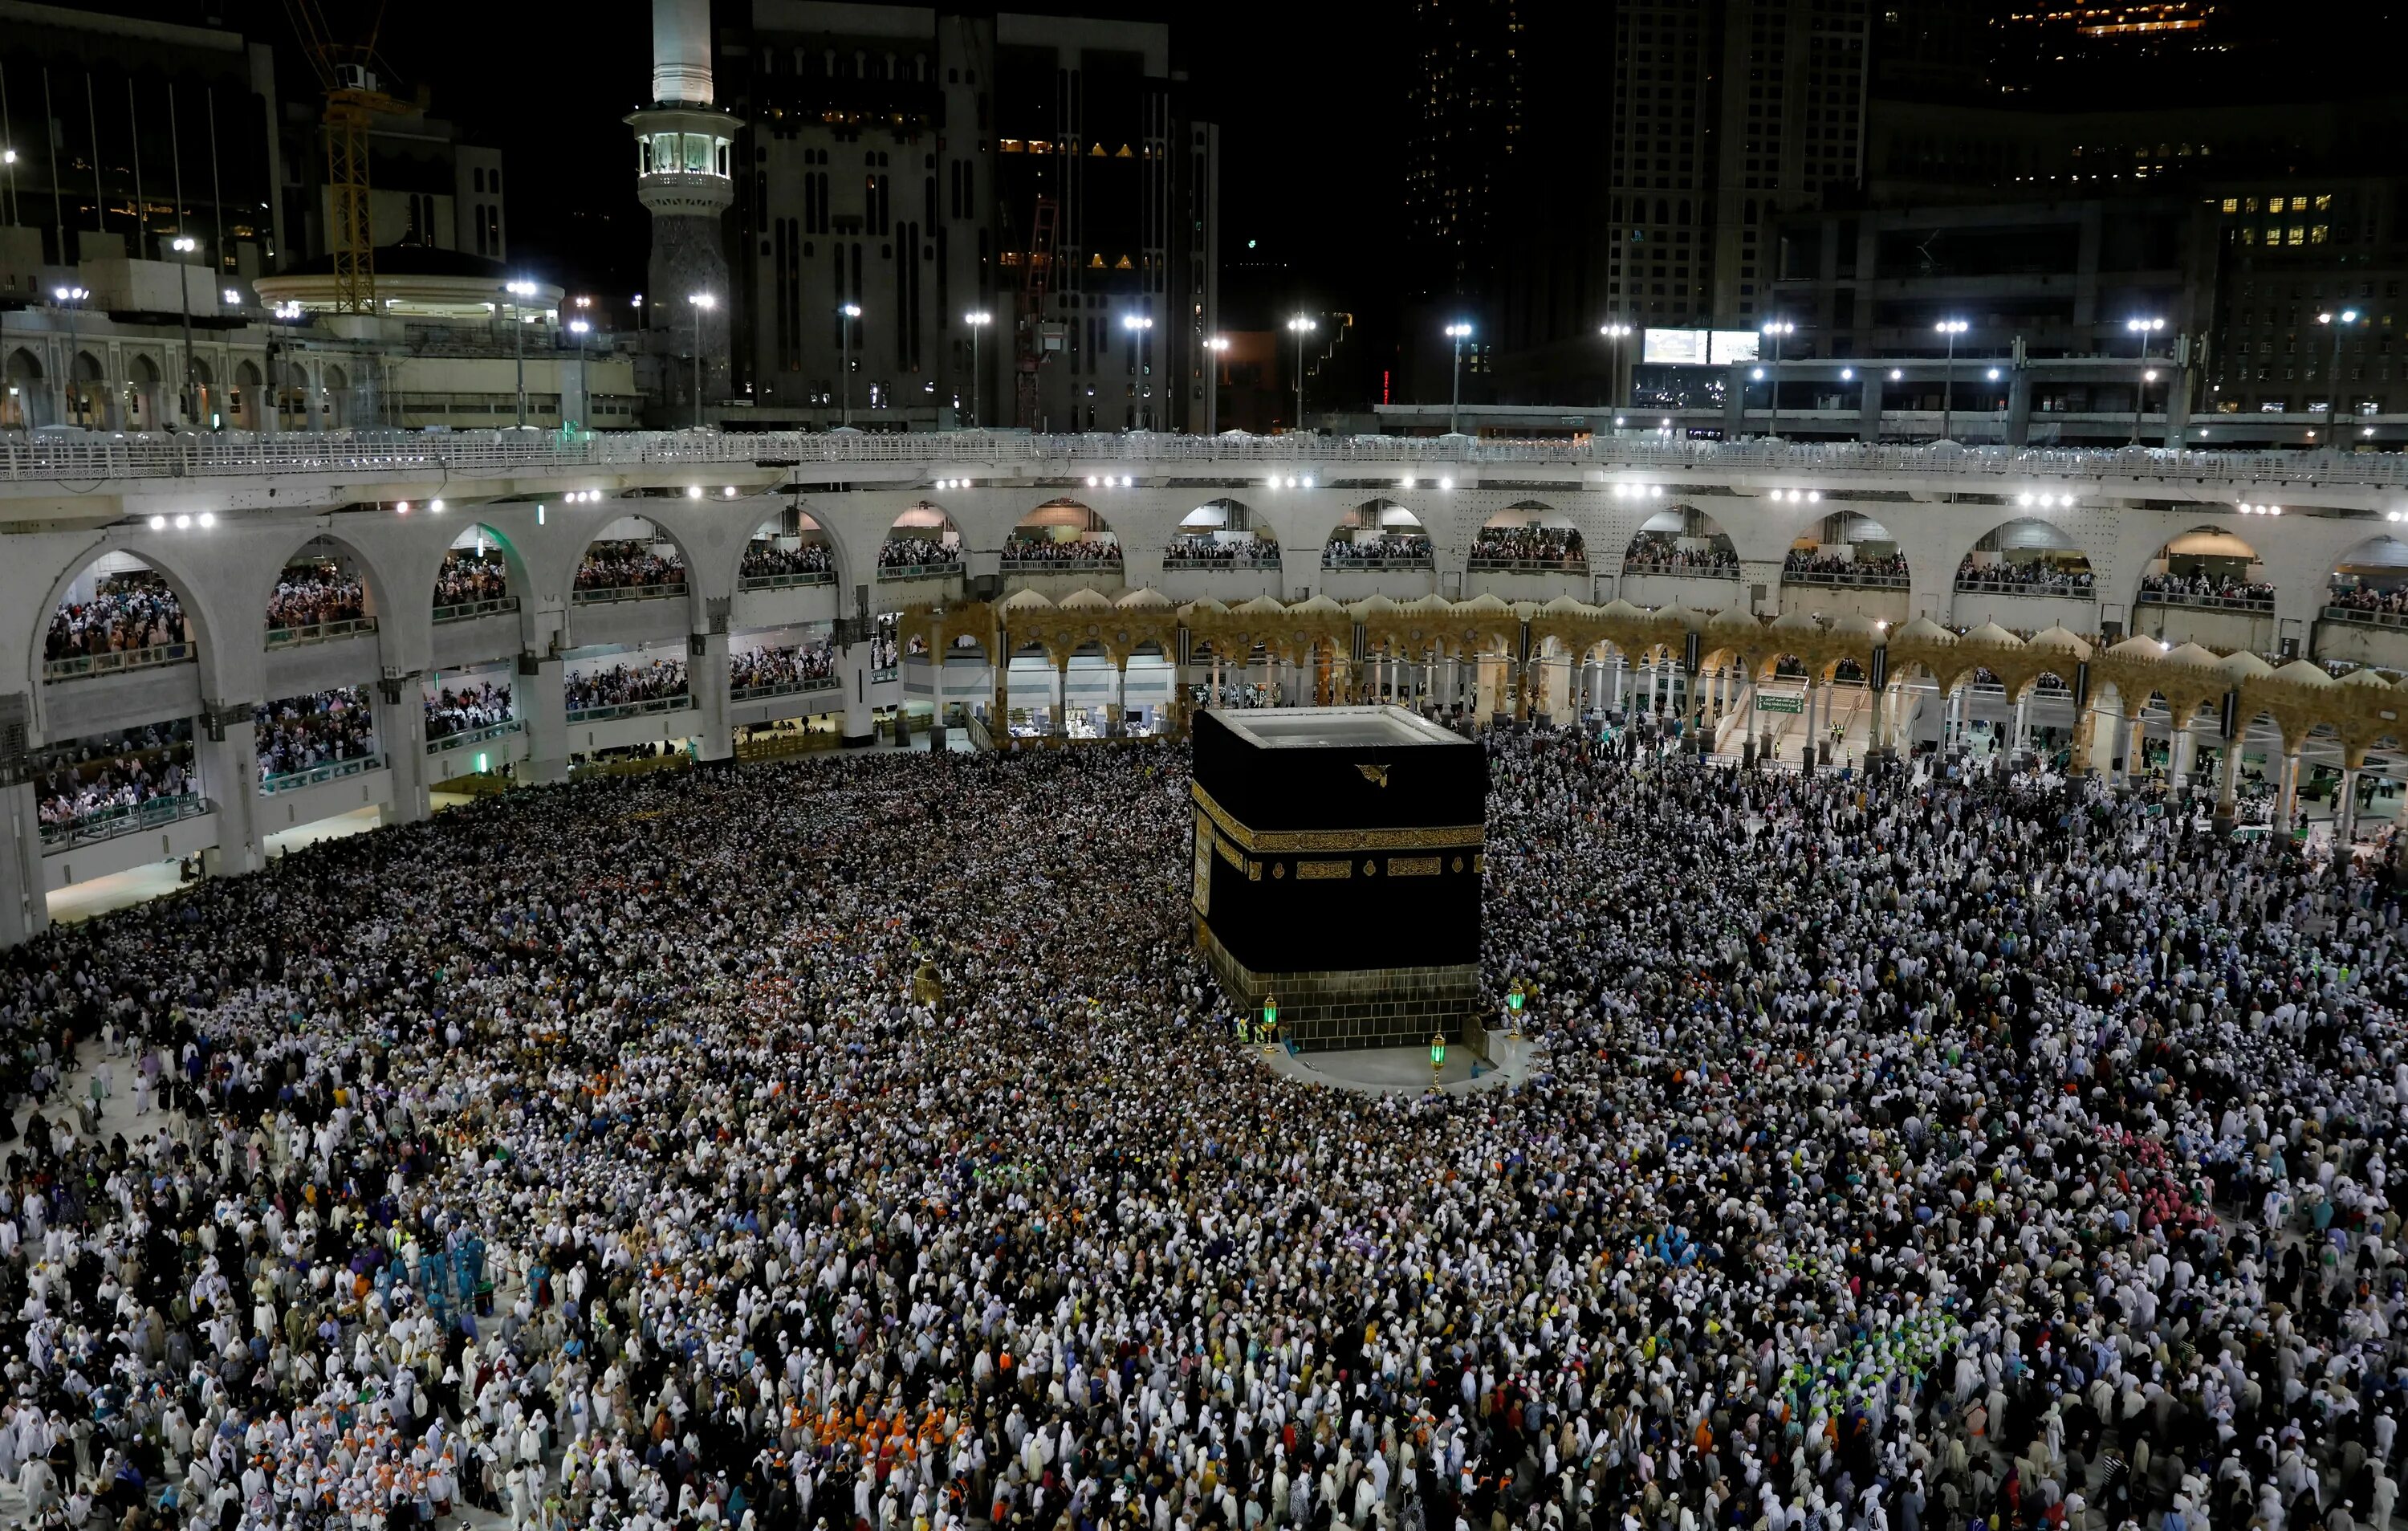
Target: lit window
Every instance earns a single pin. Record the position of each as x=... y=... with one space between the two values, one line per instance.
x=2278 y=204
x=2249 y=205
x=2299 y=235
x=2324 y=201
x=2317 y=233
x=2232 y=203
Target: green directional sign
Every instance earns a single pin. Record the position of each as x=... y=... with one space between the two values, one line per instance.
x=1781 y=704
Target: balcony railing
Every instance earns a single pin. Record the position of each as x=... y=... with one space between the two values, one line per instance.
x=1694 y=571
x=109 y=823
x=78 y=666
x=784 y=582
x=475 y=736
x=1248 y=560
x=630 y=709
x=1059 y=566
x=1577 y=564
x=2211 y=603
x=602 y=594
x=470 y=611
x=2366 y=619
x=1969 y=585
x=782 y=689
x=319 y=632
x=1870 y=582
x=330 y=771
x=1383 y=561
x=919 y=571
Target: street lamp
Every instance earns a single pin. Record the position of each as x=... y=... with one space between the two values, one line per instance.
x=703 y=303
x=2143 y=328
x=1457 y=332
x=848 y=312
x=977 y=322
x=68 y=297
x=2337 y=322
x=1301 y=326
x=184 y=245
x=578 y=327
x=1138 y=325
x=521 y=290
x=1219 y=346
x=1952 y=328
x=1615 y=333
x=1774 y=330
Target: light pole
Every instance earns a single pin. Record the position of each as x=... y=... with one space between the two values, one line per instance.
x=977 y=322
x=1615 y=333
x=1301 y=326
x=184 y=246
x=2336 y=323
x=68 y=297
x=2143 y=328
x=703 y=303
x=847 y=314
x=1219 y=346
x=1952 y=328
x=1774 y=330
x=1138 y=326
x=585 y=400
x=1457 y=332
x=520 y=291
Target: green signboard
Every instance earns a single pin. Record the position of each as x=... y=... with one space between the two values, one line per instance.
x=1781 y=704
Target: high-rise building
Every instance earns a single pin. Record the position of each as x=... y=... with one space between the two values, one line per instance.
x=1464 y=76
x=904 y=169
x=685 y=167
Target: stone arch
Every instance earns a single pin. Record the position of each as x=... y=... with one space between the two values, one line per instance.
x=248 y=384
x=1682 y=540
x=85 y=380
x=2207 y=560
x=24 y=396
x=197 y=617
x=1064 y=531
x=634 y=559
x=2028 y=554
x=483 y=554
x=791 y=545
x=918 y=530
x=376 y=588
x=2371 y=576
x=1852 y=532
x=1530 y=532
x=1378 y=533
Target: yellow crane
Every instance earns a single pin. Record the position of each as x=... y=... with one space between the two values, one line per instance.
x=346 y=72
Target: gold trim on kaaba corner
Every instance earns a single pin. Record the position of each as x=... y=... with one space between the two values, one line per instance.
x=1279 y=842
x=1413 y=866
x=1317 y=872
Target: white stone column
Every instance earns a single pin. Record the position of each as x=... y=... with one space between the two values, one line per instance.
x=228 y=754
x=705 y=681
x=852 y=672
x=400 y=710
x=24 y=901
x=539 y=700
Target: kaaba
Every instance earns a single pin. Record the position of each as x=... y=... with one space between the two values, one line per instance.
x=1338 y=860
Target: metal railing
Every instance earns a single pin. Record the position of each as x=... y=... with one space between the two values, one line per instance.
x=76 y=667
x=919 y=571
x=2366 y=619
x=2211 y=603
x=109 y=823
x=885 y=673
x=1872 y=581
x=330 y=771
x=1059 y=566
x=319 y=632
x=103 y=456
x=784 y=689
x=472 y=610
x=603 y=594
x=631 y=709
x=1399 y=560
x=782 y=581
x=1485 y=563
x=476 y=736
x=1694 y=571
x=1251 y=561
x=2014 y=587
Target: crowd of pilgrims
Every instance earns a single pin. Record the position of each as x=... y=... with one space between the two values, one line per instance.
x=916 y=553
x=621 y=685
x=1655 y=550
x=1865 y=566
x=782 y=667
x=310 y=595
x=1046 y=550
x=299 y=733
x=2037 y=577
x=1191 y=549
x=765 y=559
x=1529 y=545
x=628 y=566
x=2203 y=586
x=1901 y=1151
x=2349 y=595
x=126 y=612
x=457 y=709
x=1388 y=547
x=469 y=576
x=97 y=776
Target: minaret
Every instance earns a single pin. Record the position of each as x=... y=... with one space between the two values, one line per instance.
x=684 y=148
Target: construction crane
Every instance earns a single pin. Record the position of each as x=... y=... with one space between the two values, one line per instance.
x=346 y=72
